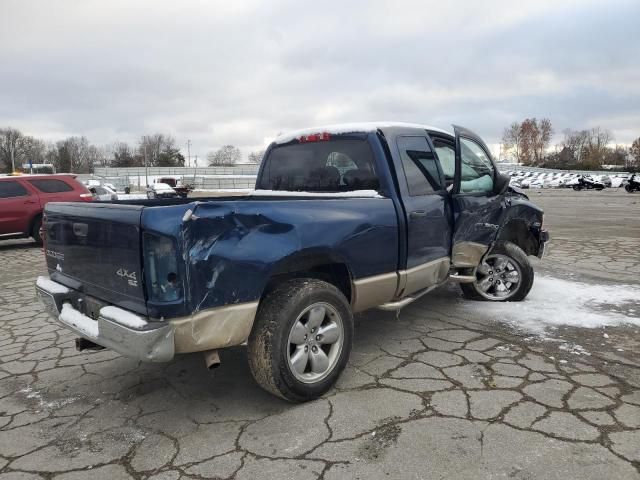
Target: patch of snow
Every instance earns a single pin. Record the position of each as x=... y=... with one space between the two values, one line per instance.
x=574 y=349
x=123 y=317
x=364 y=127
x=50 y=286
x=85 y=325
x=553 y=302
x=286 y=193
x=132 y=196
x=230 y=190
x=32 y=394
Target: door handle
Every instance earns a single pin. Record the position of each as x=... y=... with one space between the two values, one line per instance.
x=30 y=201
x=418 y=214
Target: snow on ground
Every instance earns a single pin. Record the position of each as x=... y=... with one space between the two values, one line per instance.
x=555 y=302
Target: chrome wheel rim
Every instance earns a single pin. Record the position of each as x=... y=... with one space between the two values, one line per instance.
x=498 y=277
x=315 y=342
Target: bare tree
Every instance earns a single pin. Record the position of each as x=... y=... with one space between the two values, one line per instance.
x=12 y=148
x=634 y=152
x=227 y=155
x=529 y=140
x=512 y=140
x=160 y=150
x=123 y=155
x=255 y=157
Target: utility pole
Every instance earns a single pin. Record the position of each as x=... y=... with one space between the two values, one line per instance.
x=146 y=169
x=189 y=151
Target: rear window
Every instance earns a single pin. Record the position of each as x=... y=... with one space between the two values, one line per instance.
x=11 y=188
x=51 y=186
x=339 y=165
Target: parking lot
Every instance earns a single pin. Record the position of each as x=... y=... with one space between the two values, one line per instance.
x=447 y=389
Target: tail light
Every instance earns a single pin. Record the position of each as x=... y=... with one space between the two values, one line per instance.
x=161 y=268
x=87 y=197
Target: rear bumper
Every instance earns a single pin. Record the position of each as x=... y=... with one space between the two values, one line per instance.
x=137 y=337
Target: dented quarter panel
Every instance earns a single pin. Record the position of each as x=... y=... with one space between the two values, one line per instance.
x=231 y=247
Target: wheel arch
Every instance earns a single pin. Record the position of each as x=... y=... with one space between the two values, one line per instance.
x=320 y=264
x=518 y=231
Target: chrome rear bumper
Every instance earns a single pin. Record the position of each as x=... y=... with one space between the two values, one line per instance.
x=138 y=337
x=148 y=341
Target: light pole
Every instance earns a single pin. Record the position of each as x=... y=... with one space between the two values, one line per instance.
x=189 y=152
x=146 y=169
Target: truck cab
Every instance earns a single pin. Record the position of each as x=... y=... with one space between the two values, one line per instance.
x=343 y=218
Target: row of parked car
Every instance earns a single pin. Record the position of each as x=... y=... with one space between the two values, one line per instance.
x=530 y=179
x=165 y=187
x=23 y=197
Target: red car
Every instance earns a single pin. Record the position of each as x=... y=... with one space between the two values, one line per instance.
x=23 y=197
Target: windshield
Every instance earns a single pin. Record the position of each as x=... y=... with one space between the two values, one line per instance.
x=338 y=165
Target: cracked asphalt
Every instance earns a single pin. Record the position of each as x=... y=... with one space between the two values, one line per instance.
x=435 y=392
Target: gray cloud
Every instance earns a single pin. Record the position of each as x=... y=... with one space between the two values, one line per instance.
x=240 y=73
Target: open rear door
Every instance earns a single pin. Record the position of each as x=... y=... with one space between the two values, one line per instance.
x=477 y=198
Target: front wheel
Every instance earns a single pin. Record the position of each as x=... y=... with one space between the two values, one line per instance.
x=577 y=188
x=628 y=188
x=504 y=274
x=301 y=339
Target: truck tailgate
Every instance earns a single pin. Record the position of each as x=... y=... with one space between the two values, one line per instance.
x=96 y=248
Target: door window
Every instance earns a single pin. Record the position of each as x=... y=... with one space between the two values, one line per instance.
x=446 y=153
x=11 y=189
x=477 y=172
x=51 y=185
x=420 y=166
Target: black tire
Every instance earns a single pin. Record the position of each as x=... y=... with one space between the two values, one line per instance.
x=35 y=230
x=628 y=188
x=577 y=188
x=268 y=346
x=516 y=255
x=599 y=187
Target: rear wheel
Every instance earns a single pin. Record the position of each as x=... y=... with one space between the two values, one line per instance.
x=577 y=188
x=504 y=274
x=301 y=339
x=36 y=230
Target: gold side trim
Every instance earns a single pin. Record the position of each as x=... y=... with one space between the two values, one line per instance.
x=468 y=254
x=214 y=328
x=373 y=291
x=425 y=275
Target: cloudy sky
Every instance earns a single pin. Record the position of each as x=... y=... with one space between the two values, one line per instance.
x=240 y=72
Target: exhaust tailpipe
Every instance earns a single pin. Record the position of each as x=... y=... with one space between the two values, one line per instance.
x=212 y=359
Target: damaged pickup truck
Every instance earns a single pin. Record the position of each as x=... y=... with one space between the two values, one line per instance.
x=344 y=218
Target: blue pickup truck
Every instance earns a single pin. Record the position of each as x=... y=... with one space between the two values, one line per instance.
x=344 y=218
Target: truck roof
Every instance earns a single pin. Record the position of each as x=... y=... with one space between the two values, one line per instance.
x=364 y=127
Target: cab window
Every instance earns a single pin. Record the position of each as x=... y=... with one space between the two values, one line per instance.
x=447 y=156
x=420 y=166
x=477 y=171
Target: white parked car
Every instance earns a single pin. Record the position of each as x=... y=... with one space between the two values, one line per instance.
x=161 y=190
x=103 y=193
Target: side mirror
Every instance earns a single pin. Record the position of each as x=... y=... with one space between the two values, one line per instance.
x=501 y=183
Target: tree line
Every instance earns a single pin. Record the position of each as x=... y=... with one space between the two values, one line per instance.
x=78 y=155
x=528 y=143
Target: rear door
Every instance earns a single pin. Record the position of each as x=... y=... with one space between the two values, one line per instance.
x=426 y=209
x=477 y=207
x=17 y=207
